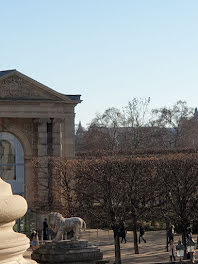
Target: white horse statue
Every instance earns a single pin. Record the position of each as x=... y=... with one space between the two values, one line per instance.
x=59 y=224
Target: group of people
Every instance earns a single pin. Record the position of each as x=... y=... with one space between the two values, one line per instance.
x=170 y=242
x=170 y=239
x=172 y=247
x=123 y=232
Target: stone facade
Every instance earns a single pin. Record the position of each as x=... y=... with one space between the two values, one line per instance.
x=41 y=122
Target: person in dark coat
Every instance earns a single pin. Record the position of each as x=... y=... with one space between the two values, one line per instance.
x=189 y=233
x=45 y=229
x=170 y=234
x=142 y=234
x=122 y=232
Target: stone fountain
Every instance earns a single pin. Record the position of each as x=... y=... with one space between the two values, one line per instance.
x=12 y=244
x=73 y=251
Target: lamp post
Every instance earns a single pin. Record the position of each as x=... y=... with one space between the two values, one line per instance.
x=180 y=250
x=191 y=248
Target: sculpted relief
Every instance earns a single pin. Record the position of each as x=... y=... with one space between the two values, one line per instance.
x=15 y=86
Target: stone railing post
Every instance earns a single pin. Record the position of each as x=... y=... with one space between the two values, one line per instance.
x=12 y=244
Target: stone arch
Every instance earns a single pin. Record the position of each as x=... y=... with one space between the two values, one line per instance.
x=12 y=161
x=28 y=170
x=23 y=140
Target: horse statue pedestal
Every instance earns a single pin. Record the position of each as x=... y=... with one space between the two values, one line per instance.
x=67 y=251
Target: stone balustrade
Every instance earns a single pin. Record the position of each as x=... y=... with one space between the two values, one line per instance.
x=12 y=244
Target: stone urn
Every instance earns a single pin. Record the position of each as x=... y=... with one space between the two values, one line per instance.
x=12 y=244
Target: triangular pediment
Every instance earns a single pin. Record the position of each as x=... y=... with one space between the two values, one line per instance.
x=16 y=86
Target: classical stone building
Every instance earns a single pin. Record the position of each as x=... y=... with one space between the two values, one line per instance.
x=35 y=121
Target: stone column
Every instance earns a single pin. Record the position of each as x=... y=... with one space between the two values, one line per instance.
x=12 y=244
x=56 y=153
x=43 y=176
x=69 y=136
x=56 y=146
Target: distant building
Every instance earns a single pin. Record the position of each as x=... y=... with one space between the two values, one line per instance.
x=35 y=121
x=98 y=137
x=123 y=138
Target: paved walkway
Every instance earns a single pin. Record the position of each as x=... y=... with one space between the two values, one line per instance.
x=151 y=252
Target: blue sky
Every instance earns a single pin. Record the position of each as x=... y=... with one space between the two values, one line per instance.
x=108 y=51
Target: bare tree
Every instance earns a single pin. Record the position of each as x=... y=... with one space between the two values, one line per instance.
x=178 y=183
x=136 y=123
x=107 y=125
x=120 y=129
x=135 y=126
x=101 y=194
x=100 y=138
x=116 y=188
x=137 y=173
x=64 y=175
x=111 y=117
x=173 y=119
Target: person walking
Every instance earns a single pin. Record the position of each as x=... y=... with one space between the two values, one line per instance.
x=122 y=232
x=172 y=251
x=141 y=234
x=171 y=233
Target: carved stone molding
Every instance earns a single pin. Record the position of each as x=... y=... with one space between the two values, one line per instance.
x=58 y=120
x=28 y=128
x=16 y=87
x=42 y=120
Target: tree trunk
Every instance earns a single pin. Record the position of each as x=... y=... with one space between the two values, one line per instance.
x=135 y=235
x=117 y=249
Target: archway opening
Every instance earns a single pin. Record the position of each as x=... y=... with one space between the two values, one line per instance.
x=12 y=162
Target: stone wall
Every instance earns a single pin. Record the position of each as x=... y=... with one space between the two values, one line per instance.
x=40 y=138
